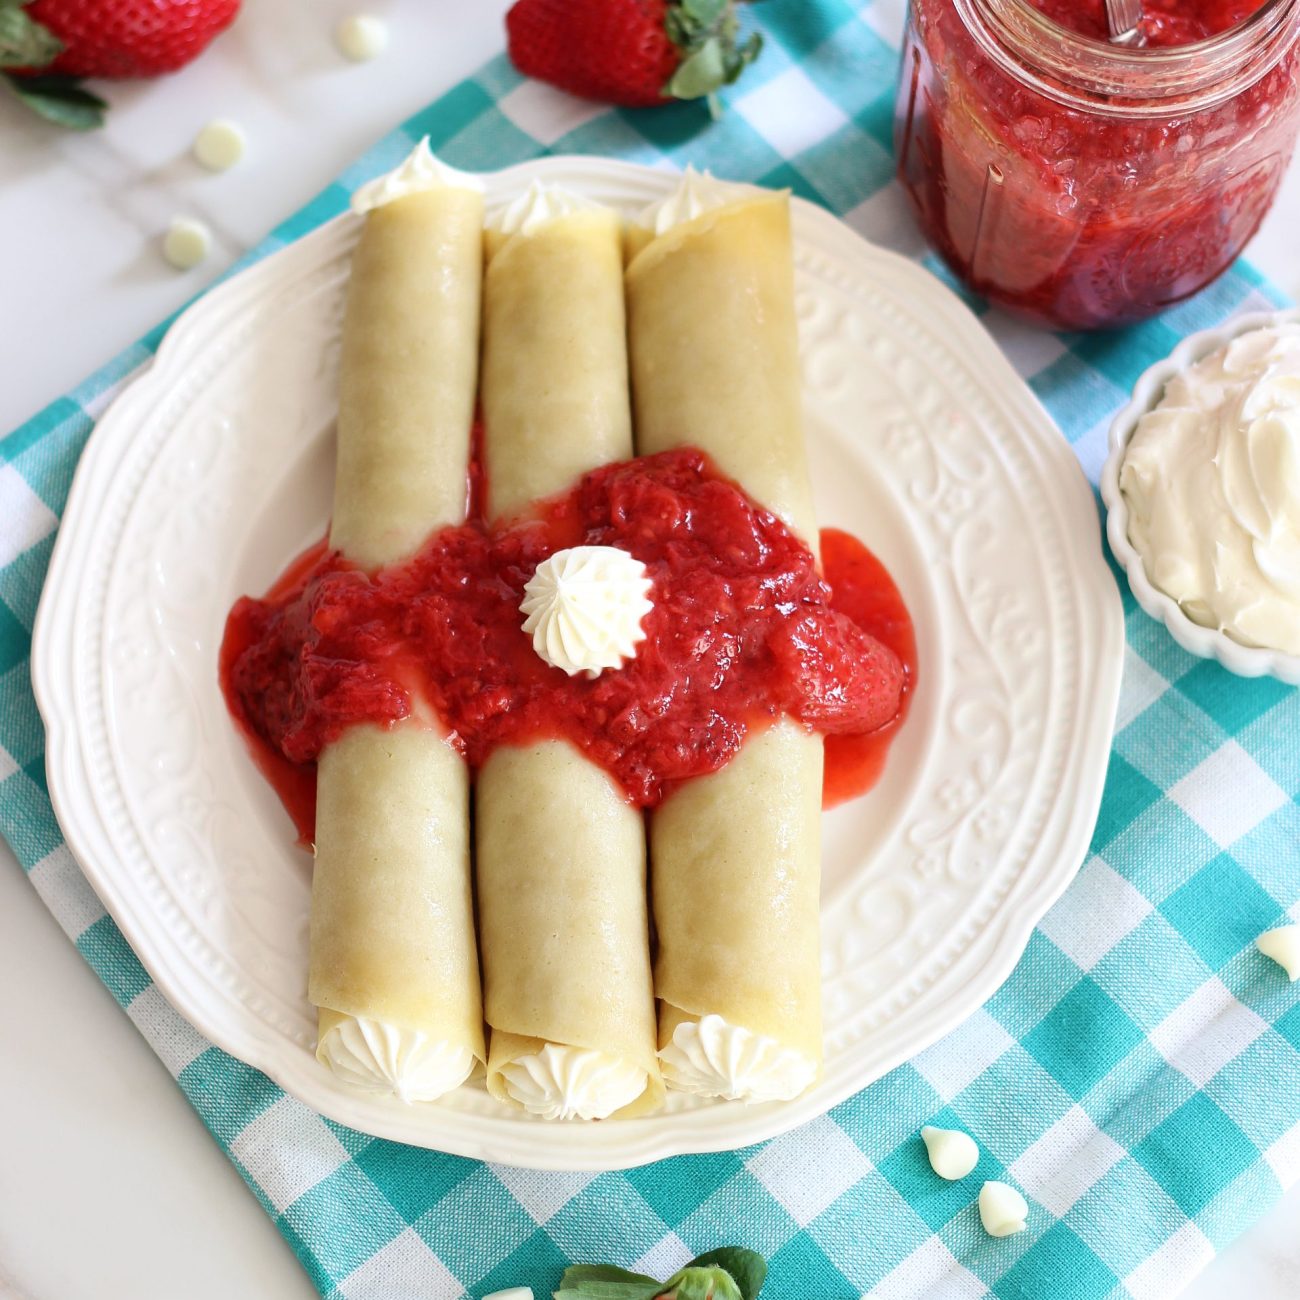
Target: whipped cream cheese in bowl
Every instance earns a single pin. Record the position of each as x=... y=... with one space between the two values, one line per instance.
x=1202 y=489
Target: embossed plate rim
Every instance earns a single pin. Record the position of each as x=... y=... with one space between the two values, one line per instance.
x=982 y=961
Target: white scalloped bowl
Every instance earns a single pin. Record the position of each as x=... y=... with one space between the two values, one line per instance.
x=1208 y=642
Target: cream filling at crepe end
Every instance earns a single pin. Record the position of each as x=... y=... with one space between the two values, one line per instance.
x=563 y=1082
x=695 y=194
x=584 y=607
x=712 y=1058
x=540 y=204
x=419 y=171
x=393 y=1061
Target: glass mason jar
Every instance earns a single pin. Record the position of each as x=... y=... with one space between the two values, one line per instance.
x=1085 y=184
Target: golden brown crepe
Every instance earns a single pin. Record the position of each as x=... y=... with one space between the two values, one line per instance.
x=392 y=929
x=560 y=852
x=735 y=855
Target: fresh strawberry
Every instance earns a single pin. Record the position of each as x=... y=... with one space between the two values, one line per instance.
x=129 y=38
x=46 y=44
x=632 y=52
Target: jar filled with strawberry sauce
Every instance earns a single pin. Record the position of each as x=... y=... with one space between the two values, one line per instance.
x=1086 y=184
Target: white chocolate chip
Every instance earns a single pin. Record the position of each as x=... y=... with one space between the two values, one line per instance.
x=1003 y=1210
x=1283 y=945
x=361 y=37
x=953 y=1154
x=220 y=144
x=186 y=242
x=514 y=1293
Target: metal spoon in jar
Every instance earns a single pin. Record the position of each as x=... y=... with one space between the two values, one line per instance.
x=1124 y=18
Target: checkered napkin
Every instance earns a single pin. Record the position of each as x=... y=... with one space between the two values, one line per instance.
x=1138 y=1076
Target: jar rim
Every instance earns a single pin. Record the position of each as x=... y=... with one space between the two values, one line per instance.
x=1129 y=81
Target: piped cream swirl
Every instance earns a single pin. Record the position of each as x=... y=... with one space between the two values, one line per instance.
x=1212 y=480
x=583 y=607
x=376 y=1057
x=712 y=1058
x=695 y=194
x=562 y=1082
x=420 y=170
x=539 y=204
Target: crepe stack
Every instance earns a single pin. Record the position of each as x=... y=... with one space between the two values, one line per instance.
x=596 y=343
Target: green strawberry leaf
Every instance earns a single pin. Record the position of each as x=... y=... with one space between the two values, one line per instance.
x=700 y=73
x=25 y=43
x=703 y=12
x=727 y=1273
x=736 y=60
x=605 y=1282
x=747 y=1267
x=61 y=100
x=607 y=1291
x=702 y=1284
x=706 y=33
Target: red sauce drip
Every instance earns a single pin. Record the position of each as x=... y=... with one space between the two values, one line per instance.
x=744 y=629
x=476 y=491
x=862 y=590
x=295 y=783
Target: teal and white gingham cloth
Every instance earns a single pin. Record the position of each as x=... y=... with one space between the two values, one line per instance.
x=1138 y=1076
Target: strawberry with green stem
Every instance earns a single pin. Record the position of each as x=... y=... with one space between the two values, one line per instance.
x=632 y=52
x=47 y=46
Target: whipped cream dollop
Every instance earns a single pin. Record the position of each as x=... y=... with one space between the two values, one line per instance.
x=562 y=1082
x=1283 y=946
x=712 y=1058
x=1212 y=479
x=1003 y=1210
x=537 y=205
x=376 y=1057
x=420 y=170
x=695 y=194
x=953 y=1154
x=583 y=608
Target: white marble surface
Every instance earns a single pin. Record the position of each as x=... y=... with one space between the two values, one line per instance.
x=110 y=1188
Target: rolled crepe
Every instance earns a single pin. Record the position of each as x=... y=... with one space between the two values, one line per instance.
x=735 y=855
x=560 y=852
x=554 y=390
x=393 y=964
x=714 y=350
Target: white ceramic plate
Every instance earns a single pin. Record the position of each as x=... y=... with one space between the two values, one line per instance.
x=214 y=468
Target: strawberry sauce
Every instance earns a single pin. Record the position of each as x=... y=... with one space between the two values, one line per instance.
x=862 y=590
x=1084 y=208
x=744 y=629
x=1164 y=23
